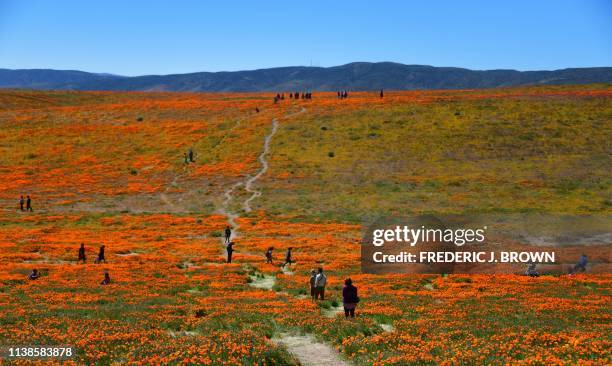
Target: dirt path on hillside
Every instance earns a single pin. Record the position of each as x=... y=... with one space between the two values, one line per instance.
x=305 y=348
x=310 y=352
x=264 y=168
x=177 y=208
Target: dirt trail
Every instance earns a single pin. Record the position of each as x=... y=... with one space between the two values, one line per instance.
x=310 y=352
x=264 y=168
x=305 y=348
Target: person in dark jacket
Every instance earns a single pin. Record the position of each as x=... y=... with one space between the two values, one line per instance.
x=82 y=253
x=34 y=275
x=269 y=255
x=21 y=202
x=288 y=257
x=349 y=298
x=101 y=258
x=230 y=250
x=228 y=234
x=29 y=204
x=191 y=156
x=106 y=280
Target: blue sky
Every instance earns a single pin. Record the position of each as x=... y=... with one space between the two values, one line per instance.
x=161 y=37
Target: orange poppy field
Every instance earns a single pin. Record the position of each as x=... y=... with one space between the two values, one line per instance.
x=108 y=168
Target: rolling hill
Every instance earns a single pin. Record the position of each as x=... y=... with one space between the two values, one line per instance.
x=353 y=76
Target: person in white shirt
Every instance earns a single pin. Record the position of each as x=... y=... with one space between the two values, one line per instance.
x=320 y=282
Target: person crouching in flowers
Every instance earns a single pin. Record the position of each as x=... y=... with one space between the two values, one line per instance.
x=349 y=298
x=106 y=280
x=34 y=275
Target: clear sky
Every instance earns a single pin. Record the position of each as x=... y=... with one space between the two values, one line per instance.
x=132 y=37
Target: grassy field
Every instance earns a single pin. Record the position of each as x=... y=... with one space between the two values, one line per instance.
x=108 y=168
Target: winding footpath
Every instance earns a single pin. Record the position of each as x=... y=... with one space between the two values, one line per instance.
x=305 y=348
x=264 y=168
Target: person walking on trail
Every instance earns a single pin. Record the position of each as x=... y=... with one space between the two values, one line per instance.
x=106 y=280
x=531 y=271
x=230 y=250
x=34 y=275
x=228 y=234
x=101 y=257
x=320 y=282
x=269 y=255
x=191 y=156
x=313 y=288
x=21 y=202
x=29 y=204
x=581 y=265
x=349 y=298
x=82 y=253
x=288 y=259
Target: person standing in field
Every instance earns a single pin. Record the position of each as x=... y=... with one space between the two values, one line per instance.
x=349 y=298
x=230 y=250
x=186 y=159
x=269 y=255
x=228 y=234
x=21 y=202
x=34 y=275
x=82 y=253
x=101 y=257
x=29 y=204
x=106 y=280
x=288 y=259
x=320 y=283
x=313 y=288
x=191 y=156
x=382 y=94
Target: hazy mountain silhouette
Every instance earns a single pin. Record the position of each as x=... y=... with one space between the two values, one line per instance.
x=353 y=76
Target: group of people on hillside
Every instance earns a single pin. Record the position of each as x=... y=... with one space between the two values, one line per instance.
x=27 y=202
x=318 y=279
x=297 y=95
x=101 y=256
x=35 y=274
x=288 y=256
x=350 y=299
x=342 y=94
x=229 y=248
x=302 y=95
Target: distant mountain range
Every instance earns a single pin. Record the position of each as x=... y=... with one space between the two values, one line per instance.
x=353 y=76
